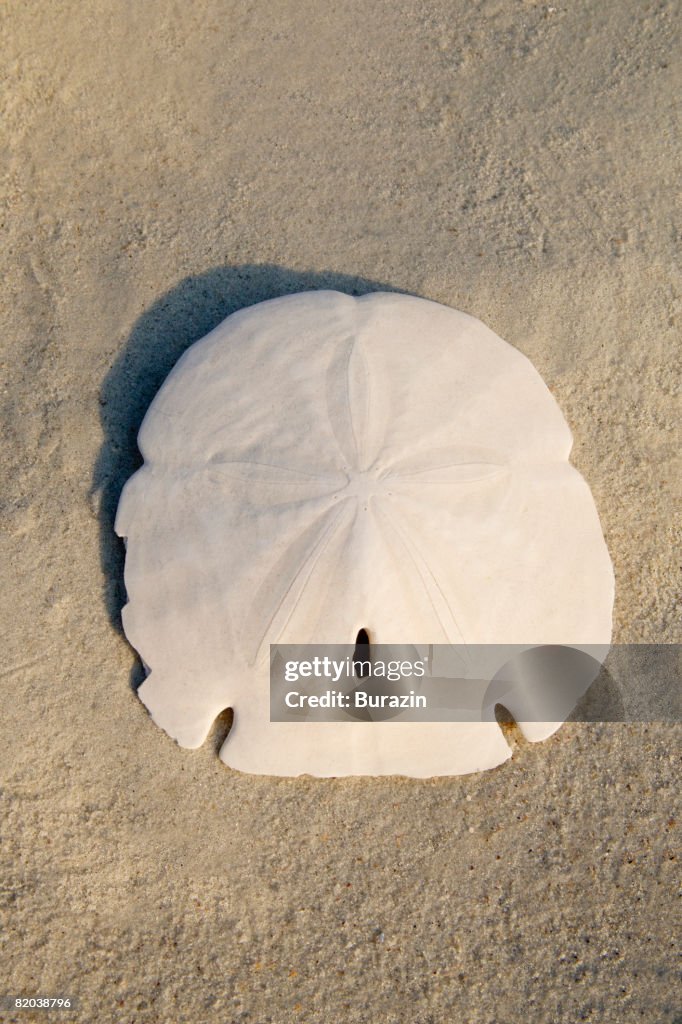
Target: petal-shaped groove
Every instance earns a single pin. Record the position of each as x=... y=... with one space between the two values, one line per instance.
x=273 y=485
x=280 y=592
x=337 y=401
x=452 y=465
x=447 y=476
x=450 y=632
x=359 y=402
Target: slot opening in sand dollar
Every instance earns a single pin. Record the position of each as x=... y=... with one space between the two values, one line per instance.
x=511 y=729
x=362 y=654
x=222 y=725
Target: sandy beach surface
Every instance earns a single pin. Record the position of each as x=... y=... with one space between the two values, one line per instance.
x=164 y=164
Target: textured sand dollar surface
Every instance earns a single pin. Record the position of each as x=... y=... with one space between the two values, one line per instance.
x=320 y=464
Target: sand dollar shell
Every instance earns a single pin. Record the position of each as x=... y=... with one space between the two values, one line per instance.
x=320 y=464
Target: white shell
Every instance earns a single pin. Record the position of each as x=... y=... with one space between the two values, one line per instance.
x=320 y=464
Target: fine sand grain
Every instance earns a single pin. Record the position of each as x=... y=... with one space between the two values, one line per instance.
x=164 y=164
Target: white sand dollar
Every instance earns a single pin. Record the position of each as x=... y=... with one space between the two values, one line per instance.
x=320 y=464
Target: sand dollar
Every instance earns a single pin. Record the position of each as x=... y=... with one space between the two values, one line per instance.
x=321 y=464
